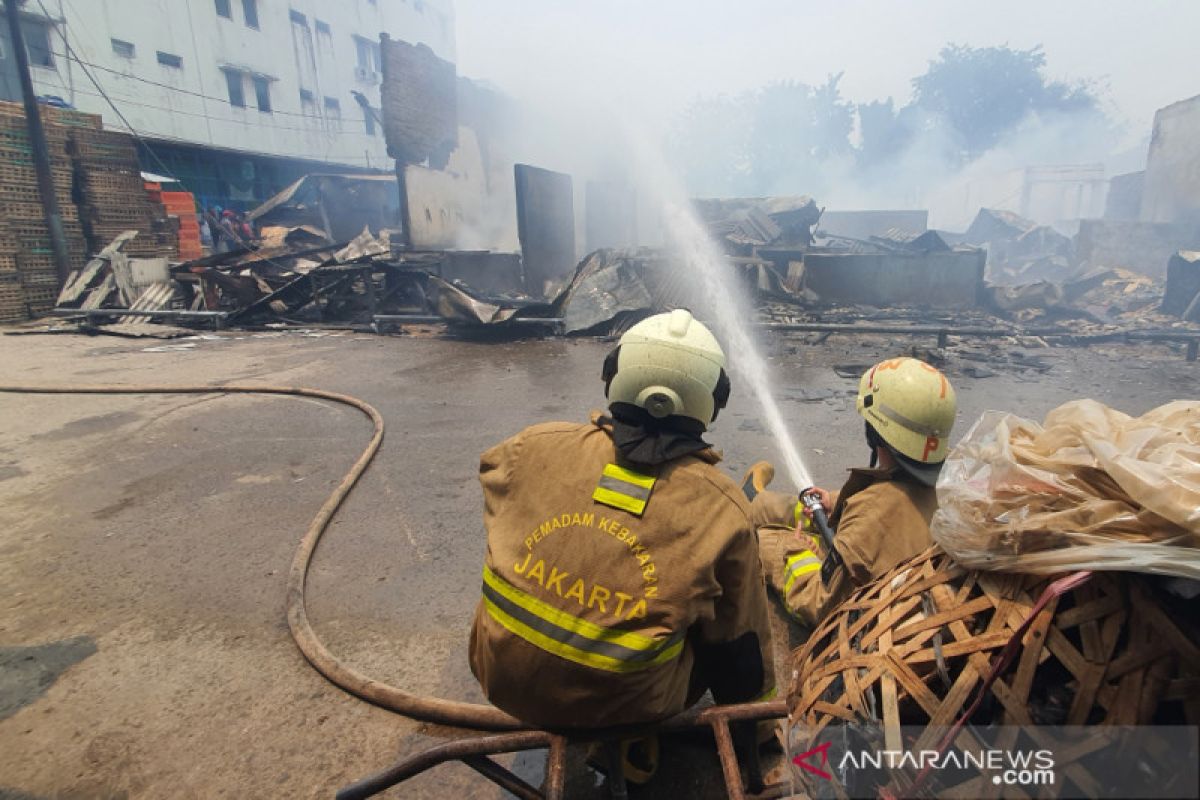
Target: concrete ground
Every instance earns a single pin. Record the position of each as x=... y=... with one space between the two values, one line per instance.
x=144 y=541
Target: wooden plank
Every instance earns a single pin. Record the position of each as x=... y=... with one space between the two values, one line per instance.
x=952 y=704
x=944 y=617
x=1089 y=631
x=986 y=641
x=887 y=683
x=1035 y=641
x=1124 y=707
x=1094 y=609
x=1182 y=688
x=1153 y=613
x=1136 y=659
x=913 y=685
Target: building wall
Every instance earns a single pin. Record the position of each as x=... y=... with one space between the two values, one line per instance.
x=328 y=48
x=1144 y=247
x=1125 y=196
x=1058 y=194
x=462 y=206
x=1171 y=191
x=865 y=224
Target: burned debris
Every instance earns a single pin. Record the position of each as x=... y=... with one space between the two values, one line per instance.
x=803 y=279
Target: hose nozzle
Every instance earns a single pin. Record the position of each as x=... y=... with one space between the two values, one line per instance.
x=833 y=560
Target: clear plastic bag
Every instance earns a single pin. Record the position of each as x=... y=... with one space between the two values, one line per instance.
x=1091 y=488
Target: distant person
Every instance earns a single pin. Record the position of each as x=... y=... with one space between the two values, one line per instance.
x=245 y=229
x=881 y=515
x=220 y=242
x=622 y=577
x=229 y=230
x=206 y=237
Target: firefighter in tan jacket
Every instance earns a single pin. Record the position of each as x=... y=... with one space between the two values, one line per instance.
x=622 y=577
x=881 y=515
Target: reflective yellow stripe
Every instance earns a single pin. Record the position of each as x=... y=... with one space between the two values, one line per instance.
x=802 y=563
x=629 y=476
x=624 y=489
x=624 y=502
x=570 y=637
x=803 y=522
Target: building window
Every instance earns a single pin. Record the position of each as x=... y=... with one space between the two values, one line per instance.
x=237 y=89
x=223 y=9
x=170 y=60
x=250 y=11
x=369 y=118
x=306 y=96
x=122 y=48
x=37 y=42
x=369 y=60
x=262 y=92
x=323 y=27
x=297 y=17
x=333 y=108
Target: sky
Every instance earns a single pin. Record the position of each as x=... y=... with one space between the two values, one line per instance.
x=649 y=58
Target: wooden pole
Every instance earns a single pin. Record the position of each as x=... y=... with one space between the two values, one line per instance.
x=37 y=141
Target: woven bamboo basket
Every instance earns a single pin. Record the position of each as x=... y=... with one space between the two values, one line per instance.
x=915 y=648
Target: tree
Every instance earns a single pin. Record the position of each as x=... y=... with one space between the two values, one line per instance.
x=797 y=130
x=983 y=94
x=710 y=143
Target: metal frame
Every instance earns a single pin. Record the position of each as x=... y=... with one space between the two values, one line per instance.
x=217 y=318
x=733 y=726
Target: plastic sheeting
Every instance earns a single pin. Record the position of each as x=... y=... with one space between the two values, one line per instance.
x=1091 y=488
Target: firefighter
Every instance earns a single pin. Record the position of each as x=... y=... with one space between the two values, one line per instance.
x=622 y=576
x=881 y=515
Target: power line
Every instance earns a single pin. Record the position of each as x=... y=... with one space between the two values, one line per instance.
x=169 y=87
x=100 y=92
x=113 y=105
x=248 y=123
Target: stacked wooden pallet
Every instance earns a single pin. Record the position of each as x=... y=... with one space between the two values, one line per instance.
x=28 y=279
x=113 y=197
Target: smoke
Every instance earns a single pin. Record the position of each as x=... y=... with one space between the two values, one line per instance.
x=688 y=77
x=798 y=140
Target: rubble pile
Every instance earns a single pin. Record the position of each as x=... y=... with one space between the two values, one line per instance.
x=744 y=224
x=1019 y=251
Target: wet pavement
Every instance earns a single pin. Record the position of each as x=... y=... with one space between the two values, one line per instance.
x=144 y=540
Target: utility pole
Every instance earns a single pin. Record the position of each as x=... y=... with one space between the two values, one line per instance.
x=37 y=141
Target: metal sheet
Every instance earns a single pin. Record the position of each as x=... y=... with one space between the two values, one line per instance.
x=545 y=226
x=925 y=280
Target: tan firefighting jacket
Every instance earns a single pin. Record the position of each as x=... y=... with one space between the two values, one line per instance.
x=879 y=519
x=608 y=590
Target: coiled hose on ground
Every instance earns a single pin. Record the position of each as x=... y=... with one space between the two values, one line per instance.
x=426 y=709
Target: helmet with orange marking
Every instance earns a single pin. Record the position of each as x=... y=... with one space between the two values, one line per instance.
x=910 y=406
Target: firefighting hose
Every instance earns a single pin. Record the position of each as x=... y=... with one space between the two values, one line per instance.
x=833 y=560
x=426 y=709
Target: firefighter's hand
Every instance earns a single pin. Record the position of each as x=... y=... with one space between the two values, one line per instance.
x=826 y=500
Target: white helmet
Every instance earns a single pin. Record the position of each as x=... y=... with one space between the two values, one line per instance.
x=669 y=364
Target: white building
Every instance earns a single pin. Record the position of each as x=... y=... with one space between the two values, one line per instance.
x=224 y=89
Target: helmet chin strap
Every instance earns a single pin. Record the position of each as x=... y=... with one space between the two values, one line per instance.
x=874 y=441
